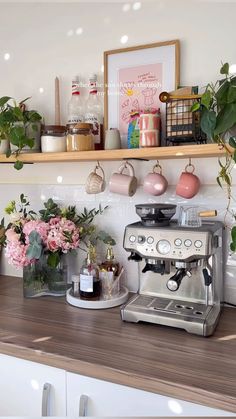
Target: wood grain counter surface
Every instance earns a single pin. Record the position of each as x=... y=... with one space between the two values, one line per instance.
x=97 y=343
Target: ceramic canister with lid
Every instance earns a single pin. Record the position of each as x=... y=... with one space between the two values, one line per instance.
x=150 y=127
x=53 y=139
x=80 y=137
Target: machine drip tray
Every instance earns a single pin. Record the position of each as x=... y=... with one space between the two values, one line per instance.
x=166 y=305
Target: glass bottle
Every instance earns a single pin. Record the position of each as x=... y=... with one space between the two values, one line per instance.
x=110 y=264
x=90 y=283
x=75 y=105
x=94 y=112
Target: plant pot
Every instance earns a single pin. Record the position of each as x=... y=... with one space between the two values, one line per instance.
x=39 y=279
x=31 y=133
x=4 y=146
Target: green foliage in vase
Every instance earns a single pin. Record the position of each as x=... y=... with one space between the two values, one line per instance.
x=218 y=121
x=14 y=120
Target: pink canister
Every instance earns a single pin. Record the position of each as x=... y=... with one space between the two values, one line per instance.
x=149 y=121
x=150 y=127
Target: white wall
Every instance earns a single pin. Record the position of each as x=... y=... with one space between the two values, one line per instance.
x=36 y=37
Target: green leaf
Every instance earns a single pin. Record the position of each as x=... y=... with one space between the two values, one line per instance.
x=222 y=93
x=18 y=165
x=225 y=69
x=231 y=97
x=29 y=142
x=232 y=142
x=34 y=250
x=4 y=100
x=24 y=100
x=226 y=118
x=206 y=99
x=8 y=153
x=18 y=114
x=195 y=107
x=16 y=135
x=53 y=259
x=219 y=181
x=233 y=234
x=233 y=247
x=208 y=122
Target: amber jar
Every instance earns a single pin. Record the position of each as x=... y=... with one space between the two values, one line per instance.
x=80 y=137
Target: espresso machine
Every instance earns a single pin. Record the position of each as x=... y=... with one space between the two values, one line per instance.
x=180 y=271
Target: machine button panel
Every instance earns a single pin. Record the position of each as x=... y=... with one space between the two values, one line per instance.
x=198 y=244
x=141 y=239
x=163 y=247
x=188 y=243
x=150 y=240
x=132 y=239
x=178 y=242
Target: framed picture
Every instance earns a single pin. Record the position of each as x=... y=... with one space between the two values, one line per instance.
x=134 y=77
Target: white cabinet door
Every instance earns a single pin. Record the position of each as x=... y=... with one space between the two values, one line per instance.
x=107 y=399
x=26 y=388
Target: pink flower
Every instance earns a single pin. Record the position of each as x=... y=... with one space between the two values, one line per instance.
x=36 y=225
x=12 y=236
x=16 y=254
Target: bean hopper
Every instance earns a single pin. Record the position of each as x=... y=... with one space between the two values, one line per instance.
x=180 y=271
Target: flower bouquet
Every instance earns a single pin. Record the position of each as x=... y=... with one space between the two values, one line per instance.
x=39 y=242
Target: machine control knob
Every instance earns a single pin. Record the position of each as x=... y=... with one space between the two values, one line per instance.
x=150 y=240
x=198 y=244
x=132 y=239
x=141 y=239
x=163 y=247
x=178 y=242
x=188 y=243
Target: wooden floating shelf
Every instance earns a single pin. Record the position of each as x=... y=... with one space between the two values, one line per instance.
x=152 y=153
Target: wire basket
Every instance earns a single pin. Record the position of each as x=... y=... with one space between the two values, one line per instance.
x=182 y=125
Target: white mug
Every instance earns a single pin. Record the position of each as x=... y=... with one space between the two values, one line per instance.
x=112 y=139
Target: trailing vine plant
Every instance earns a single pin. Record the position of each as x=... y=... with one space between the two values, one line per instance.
x=218 y=121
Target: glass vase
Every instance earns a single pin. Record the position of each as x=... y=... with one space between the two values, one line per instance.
x=39 y=279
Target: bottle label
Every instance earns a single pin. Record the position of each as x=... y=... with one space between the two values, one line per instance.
x=94 y=120
x=86 y=283
x=74 y=119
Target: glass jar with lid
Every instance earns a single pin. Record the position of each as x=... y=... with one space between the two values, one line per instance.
x=80 y=137
x=53 y=139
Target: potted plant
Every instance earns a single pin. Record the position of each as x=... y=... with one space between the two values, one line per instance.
x=17 y=127
x=218 y=121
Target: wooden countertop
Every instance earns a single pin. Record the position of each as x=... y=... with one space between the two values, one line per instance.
x=97 y=343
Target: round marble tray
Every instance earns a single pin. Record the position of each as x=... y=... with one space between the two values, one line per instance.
x=121 y=298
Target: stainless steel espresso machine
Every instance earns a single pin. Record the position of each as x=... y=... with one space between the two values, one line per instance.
x=180 y=271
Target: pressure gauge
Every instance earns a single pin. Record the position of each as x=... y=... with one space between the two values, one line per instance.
x=163 y=247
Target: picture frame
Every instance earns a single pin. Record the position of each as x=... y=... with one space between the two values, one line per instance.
x=135 y=76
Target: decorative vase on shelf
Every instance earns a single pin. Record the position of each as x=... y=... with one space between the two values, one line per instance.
x=39 y=279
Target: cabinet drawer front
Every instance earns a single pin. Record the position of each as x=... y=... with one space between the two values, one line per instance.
x=108 y=399
x=27 y=387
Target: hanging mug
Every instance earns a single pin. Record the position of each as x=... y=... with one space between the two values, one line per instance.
x=189 y=184
x=95 y=183
x=123 y=184
x=155 y=183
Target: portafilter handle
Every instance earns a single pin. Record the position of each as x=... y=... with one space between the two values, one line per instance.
x=134 y=256
x=174 y=281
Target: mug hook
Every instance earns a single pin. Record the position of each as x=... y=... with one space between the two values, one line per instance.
x=189 y=166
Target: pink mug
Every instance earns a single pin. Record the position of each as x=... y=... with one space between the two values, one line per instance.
x=155 y=183
x=123 y=184
x=188 y=184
